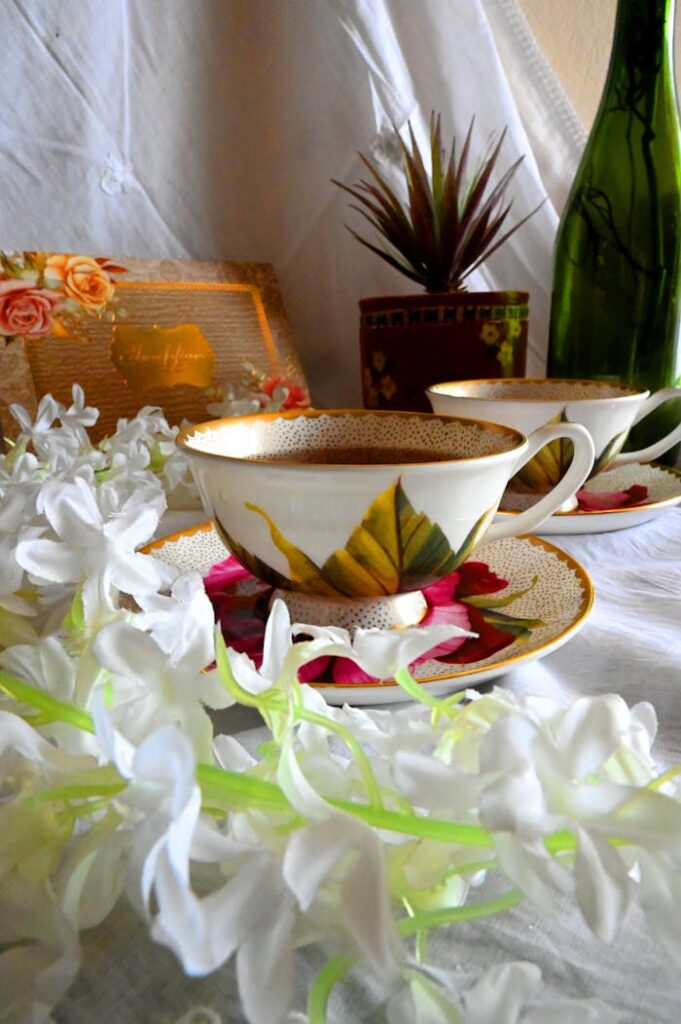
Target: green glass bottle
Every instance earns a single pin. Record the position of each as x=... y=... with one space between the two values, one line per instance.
x=617 y=271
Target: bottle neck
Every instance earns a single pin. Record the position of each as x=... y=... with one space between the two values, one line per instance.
x=642 y=58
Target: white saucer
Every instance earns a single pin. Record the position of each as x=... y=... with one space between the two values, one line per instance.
x=558 y=593
x=664 y=491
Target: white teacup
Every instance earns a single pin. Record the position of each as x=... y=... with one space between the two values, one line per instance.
x=359 y=505
x=608 y=411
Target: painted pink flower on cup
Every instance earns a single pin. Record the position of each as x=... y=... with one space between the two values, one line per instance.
x=467 y=598
x=26 y=309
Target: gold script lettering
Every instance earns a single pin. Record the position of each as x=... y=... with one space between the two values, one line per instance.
x=162 y=356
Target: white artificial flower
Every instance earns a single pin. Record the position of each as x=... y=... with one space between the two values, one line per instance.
x=182 y=620
x=78 y=415
x=497 y=998
x=151 y=685
x=44 y=664
x=276 y=645
x=380 y=652
x=552 y=772
x=93 y=548
x=39 y=950
x=48 y=411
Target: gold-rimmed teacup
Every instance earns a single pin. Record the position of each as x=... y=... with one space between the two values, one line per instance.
x=607 y=410
x=362 y=506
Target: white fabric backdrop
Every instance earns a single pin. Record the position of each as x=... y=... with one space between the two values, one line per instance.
x=211 y=129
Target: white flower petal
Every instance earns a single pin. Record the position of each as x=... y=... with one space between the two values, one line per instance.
x=264 y=966
x=231 y=754
x=382 y=653
x=515 y=803
x=129 y=652
x=533 y=870
x=602 y=884
x=277 y=640
x=301 y=793
x=500 y=994
x=49 y=560
x=590 y=730
x=422 y=1003
x=430 y=784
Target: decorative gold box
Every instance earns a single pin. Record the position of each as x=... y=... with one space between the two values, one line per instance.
x=134 y=332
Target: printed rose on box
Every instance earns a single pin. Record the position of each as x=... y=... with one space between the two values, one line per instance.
x=40 y=292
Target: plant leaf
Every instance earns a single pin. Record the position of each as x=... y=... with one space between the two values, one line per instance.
x=448 y=225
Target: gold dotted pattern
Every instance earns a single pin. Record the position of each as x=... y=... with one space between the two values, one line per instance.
x=560 y=597
x=539 y=390
x=459 y=439
x=663 y=485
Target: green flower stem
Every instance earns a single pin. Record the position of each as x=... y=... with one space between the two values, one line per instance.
x=270 y=700
x=405 y=679
x=421 y=944
x=68 y=817
x=363 y=762
x=415 y=825
x=82 y=791
x=220 y=786
x=450 y=915
x=336 y=968
x=671 y=773
x=472 y=867
x=57 y=709
x=331 y=973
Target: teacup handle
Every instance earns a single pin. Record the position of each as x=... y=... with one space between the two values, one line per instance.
x=661 y=446
x=578 y=471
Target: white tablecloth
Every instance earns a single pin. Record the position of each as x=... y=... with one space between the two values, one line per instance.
x=632 y=645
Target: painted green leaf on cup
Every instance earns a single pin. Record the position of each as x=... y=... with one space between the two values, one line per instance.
x=261 y=570
x=304 y=573
x=546 y=468
x=612 y=449
x=551 y=462
x=393 y=549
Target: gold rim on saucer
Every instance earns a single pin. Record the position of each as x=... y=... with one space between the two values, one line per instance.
x=560 y=597
x=659 y=503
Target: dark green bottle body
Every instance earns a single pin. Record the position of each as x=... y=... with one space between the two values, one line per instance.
x=615 y=311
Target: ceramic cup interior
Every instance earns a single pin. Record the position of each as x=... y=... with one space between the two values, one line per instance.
x=538 y=389
x=353 y=505
x=607 y=410
x=349 y=438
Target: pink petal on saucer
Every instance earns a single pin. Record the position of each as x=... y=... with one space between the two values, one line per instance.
x=313 y=669
x=346 y=671
x=454 y=614
x=224 y=575
x=443 y=591
x=590 y=501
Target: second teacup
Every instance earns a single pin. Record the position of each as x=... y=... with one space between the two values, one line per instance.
x=607 y=410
